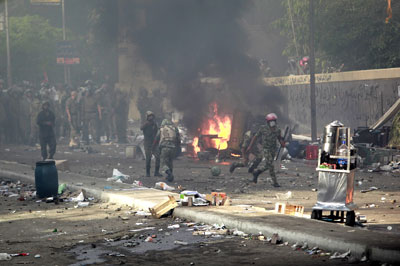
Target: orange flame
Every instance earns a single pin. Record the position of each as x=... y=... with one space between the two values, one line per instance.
x=216 y=125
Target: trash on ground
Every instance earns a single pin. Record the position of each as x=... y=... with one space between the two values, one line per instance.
x=163 y=207
x=19 y=254
x=116 y=254
x=276 y=239
x=142 y=213
x=163 y=186
x=61 y=188
x=142 y=229
x=79 y=198
x=283 y=208
x=177 y=242
x=82 y=204
x=239 y=233
x=138 y=183
x=174 y=226
x=369 y=189
x=193 y=198
x=5 y=256
x=284 y=196
x=118 y=176
x=149 y=239
x=337 y=255
x=362 y=218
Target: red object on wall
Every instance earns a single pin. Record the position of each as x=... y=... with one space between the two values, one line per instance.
x=312 y=152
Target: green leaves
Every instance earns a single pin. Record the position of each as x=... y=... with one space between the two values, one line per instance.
x=32 y=44
x=352 y=33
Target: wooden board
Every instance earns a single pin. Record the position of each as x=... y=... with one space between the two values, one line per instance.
x=163 y=207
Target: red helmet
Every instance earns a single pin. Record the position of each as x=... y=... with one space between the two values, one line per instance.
x=271 y=117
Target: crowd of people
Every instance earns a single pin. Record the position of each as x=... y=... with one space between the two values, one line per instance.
x=86 y=113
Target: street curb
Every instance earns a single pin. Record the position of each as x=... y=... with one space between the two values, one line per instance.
x=292 y=236
x=94 y=192
x=250 y=226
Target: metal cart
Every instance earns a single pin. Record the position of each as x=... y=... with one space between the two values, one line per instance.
x=335 y=186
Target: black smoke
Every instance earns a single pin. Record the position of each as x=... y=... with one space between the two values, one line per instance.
x=184 y=40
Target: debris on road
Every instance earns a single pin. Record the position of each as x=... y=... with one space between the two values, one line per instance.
x=5 y=256
x=337 y=255
x=177 y=242
x=284 y=196
x=79 y=198
x=283 y=208
x=117 y=176
x=163 y=207
x=276 y=239
x=369 y=189
x=163 y=186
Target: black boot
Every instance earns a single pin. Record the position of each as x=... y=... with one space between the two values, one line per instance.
x=255 y=175
x=252 y=166
x=170 y=176
x=147 y=171
x=157 y=171
x=232 y=168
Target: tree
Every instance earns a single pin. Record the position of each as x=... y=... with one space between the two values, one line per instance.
x=33 y=47
x=353 y=33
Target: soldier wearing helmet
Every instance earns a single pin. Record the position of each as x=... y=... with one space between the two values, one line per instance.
x=268 y=133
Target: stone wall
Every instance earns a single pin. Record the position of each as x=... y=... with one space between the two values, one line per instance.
x=352 y=101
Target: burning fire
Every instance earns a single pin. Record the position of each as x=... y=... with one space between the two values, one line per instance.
x=218 y=125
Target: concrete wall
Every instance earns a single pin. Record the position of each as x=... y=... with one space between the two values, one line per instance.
x=356 y=98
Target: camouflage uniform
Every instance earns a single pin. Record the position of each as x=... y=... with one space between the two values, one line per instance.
x=269 y=136
x=169 y=139
x=90 y=114
x=150 y=130
x=255 y=150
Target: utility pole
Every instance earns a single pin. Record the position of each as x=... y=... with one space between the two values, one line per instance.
x=64 y=38
x=9 y=76
x=312 y=76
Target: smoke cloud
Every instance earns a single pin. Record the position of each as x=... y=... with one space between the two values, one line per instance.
x=185 y=40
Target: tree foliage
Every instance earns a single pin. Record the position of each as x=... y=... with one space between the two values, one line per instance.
x=32 y=46
x=353 y=33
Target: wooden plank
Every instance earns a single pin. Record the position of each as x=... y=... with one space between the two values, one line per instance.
x=163 y=207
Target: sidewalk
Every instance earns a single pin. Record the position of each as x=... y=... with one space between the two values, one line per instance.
x=377 y=246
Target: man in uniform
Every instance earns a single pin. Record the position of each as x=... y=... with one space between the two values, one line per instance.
x=91 y=112
x=150 y=130
x=107 y=100
x=169 y=139
x=72 y=110
x=268 y=133
x=247 y=137
x=46 y=121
